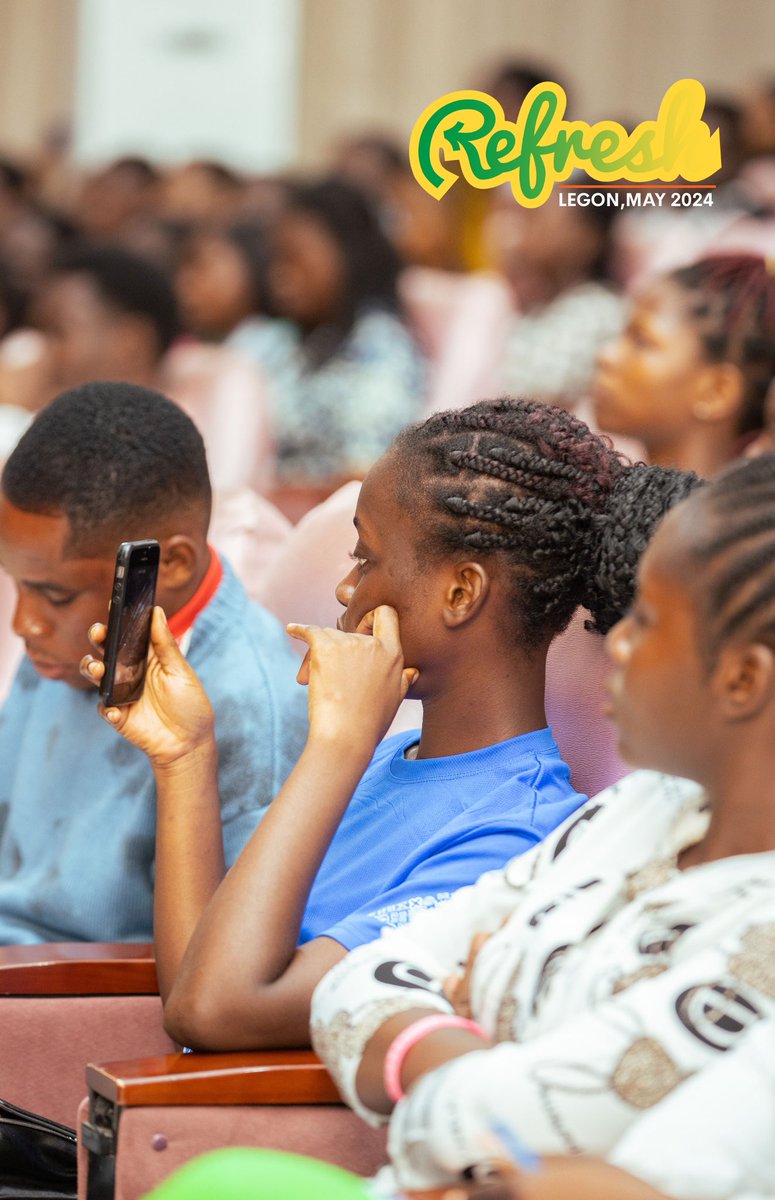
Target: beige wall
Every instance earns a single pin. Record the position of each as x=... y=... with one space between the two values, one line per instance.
x=37 y=68
x=379 y=62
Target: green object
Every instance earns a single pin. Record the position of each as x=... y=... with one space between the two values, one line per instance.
x=250 y=1174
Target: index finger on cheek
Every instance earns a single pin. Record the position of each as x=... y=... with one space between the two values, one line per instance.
x=385 y=625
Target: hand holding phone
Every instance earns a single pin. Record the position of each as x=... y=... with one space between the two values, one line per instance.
x=129 y=622
x=142 y=662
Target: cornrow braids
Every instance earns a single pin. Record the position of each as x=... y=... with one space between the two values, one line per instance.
x=640 y=498
x=532 y=483
x=737 y=557
x=732 y=304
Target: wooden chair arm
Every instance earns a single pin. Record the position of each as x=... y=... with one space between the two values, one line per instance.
x=78 y=969
x=255 y=1077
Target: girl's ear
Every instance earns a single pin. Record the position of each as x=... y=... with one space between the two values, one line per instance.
x=466 y=592
x=719 y=393
x=744 y=680
x=178 y=562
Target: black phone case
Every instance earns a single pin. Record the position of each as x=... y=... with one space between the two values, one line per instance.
x=124 y=559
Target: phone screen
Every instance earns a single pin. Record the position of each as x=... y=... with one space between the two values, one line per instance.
x=129 y=625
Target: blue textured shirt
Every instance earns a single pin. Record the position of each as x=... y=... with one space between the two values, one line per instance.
x=77 y=802
x=417 y=830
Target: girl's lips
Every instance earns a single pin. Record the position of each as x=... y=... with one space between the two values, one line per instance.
x=608 y=706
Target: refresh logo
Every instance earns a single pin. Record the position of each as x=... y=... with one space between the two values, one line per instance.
x=540 y=148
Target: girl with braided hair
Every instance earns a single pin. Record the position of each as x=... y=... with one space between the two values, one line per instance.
x=557 y=1001
x=478 y=534
x=689 y=375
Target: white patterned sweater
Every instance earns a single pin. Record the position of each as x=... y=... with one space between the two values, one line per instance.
x=611 y=976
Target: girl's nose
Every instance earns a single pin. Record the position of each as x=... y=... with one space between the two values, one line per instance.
x=617 y=642
x=345 y=589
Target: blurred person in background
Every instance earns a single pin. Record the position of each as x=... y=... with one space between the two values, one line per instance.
x=116 y=196
x=557 y=263
x=107 y=313
x=120 y=205
x=344 y=371
x=688 y=376
x=653 y=240
x=758 y=119
x=14 y=413
x=201 y=191
x=509 y=82
x=223 y=279
x=425 y=231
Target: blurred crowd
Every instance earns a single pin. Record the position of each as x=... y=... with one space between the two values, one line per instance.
x=302 y=321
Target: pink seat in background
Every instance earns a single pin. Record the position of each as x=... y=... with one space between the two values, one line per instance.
x=250 y=532
x=468 y=364
x=226 y=397
x=299 y=583
x=11 y=647
x=460 y=321
x=429 y=297
x=576 y=672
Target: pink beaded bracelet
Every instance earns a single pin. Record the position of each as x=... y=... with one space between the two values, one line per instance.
x=409 y=1037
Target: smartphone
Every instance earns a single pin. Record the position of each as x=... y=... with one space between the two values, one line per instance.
x=129 y=622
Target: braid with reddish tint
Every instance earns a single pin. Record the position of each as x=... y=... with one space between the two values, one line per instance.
x=732 y=304
x=533 y=484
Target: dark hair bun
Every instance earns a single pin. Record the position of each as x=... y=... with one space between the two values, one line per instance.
x=639 y=499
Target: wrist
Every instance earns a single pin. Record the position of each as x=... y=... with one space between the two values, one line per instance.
x=197 y=760
x=346 y=749
x=414 y=1036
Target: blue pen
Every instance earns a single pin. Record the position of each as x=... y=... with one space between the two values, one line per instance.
x=516 y=1150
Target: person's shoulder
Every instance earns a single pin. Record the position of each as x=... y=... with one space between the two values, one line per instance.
x=26 y=686
x=651 y=787
x=236 y=629
x=380 y=326
x=593 y=299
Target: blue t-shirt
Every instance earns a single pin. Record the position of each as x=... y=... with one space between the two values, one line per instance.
x=78 y=803
x=417 y=830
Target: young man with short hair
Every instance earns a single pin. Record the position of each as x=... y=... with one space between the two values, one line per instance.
x=105 y=463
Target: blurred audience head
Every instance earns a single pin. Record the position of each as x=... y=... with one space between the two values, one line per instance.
x=201 y=192
x=223 y=278
x=13 y=304
x=689 y=375
x=758 y=119
x=331 y=259
x=371 y=162
x=107 y=314
x=726 y=115
x=116 y=195
x=510 y=81
x=543 y=251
